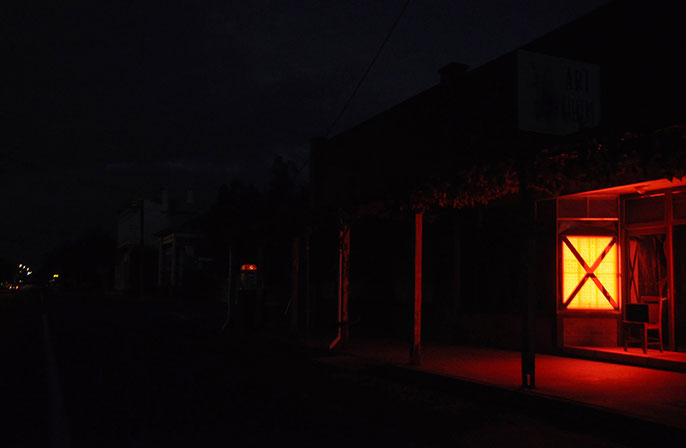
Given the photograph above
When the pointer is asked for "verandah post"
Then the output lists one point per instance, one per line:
(416, 354)
(345, 287)
(527, 276)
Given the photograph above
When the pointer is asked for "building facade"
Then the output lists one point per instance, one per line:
(532, 201)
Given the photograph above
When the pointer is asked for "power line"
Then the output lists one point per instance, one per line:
(369, 68)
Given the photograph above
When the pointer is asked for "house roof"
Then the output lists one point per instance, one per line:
(468, 123)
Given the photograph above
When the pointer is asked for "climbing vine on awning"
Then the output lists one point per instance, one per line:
(579, 163)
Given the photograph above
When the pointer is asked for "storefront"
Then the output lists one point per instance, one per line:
(619, 249)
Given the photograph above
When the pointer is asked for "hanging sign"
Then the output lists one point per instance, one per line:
(556, 95)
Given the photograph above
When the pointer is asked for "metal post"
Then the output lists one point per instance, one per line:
(308, 302)
(160, 263)
(142, 248)
(228, 291)
(296, 283)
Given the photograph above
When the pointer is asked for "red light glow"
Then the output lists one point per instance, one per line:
(249, 267)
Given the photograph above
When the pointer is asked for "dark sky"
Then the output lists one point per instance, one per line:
(103, 101)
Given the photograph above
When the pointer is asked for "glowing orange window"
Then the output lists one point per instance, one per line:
(589, 272)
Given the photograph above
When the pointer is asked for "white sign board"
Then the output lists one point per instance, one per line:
(556, 95)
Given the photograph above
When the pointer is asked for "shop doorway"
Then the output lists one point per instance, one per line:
(648, 271)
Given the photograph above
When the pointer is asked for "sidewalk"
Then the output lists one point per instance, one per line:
(646, 394)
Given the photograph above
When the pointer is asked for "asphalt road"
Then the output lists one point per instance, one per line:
(129, 375)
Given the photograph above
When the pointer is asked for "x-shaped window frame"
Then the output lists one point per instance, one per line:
(590, 272)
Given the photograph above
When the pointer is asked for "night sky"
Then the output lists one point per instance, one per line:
(104, 101)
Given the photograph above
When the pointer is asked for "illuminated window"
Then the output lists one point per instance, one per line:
(589, 273)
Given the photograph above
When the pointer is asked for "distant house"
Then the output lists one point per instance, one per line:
(535, 198)
(139, 224)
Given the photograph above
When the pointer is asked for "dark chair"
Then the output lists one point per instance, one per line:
(643, 317)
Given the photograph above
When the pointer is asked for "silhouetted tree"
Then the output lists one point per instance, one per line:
(235, 223)
(259, 228)
(286, 200)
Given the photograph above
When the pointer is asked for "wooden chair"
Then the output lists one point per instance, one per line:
(644, 316)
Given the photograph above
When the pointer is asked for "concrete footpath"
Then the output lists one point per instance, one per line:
(641, 393)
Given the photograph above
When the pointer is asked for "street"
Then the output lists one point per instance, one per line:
(133, 375)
